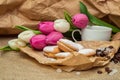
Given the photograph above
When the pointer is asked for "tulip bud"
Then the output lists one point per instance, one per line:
(46, 27)
(26, 35)
(80, 20)
(61, 25)
(16, 43)
(38, 41)
(53, 37)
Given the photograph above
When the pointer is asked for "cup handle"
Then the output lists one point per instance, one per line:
(77, 30)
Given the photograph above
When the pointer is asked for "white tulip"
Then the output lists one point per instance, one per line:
(21, 43)
(61, 25)
(26, 36)
(16, 43)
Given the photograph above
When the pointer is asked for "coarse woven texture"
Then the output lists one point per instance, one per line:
(19, 66)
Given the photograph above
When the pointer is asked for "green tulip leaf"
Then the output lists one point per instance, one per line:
(69, 19)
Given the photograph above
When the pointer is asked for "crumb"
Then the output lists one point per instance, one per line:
(77, 73)
(113, 72)
(59, 70)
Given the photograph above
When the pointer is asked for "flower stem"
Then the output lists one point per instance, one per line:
(23, 28)
(7, 48)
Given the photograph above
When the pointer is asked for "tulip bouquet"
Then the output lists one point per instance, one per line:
(49, 32)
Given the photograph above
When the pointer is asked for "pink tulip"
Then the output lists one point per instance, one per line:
(53, 37)
(80, 20)
(46, 27)
(38, 41)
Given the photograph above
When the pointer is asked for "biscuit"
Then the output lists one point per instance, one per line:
(87, 52)
(51, 49)
(63, 54)
(50, 55)
(64, 47)
(69, 46)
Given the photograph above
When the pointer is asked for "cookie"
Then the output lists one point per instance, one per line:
(87, 52)
(69, 46)
(63, 54)
(51, 49)
(50, 55)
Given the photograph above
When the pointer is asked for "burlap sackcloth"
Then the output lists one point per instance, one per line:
(19, 66)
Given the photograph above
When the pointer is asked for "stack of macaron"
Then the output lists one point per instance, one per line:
(51, 32)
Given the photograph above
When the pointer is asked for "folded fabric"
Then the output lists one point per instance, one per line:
(30, 12)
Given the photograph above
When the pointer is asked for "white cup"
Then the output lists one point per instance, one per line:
(94, 33)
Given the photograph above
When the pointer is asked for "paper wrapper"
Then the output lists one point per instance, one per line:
(30, 12)
(116, 36)
(76, 61)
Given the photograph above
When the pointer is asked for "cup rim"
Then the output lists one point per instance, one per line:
(103, 28)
